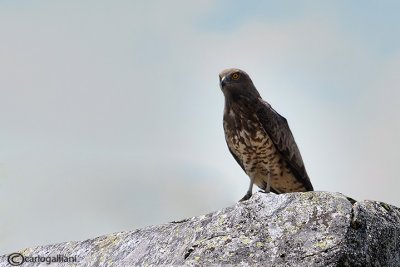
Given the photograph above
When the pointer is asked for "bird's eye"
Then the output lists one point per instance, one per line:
(235, 76)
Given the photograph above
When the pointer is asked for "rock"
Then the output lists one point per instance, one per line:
(297, 229)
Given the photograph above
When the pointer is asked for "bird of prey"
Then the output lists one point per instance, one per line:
(260, 139)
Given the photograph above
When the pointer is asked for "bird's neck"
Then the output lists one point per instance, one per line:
(240, 104)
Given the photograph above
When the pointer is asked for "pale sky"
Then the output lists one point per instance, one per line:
(111, 112)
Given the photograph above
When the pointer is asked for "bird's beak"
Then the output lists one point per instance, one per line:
(221, 81)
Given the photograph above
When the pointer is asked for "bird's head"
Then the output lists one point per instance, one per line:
(236, 82)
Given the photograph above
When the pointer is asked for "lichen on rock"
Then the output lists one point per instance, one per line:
(296, 229)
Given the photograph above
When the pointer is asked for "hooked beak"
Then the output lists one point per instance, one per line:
(221, 81)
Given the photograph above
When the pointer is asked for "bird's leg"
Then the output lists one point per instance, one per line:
(268, 187)
(249, 191)
(267, 184)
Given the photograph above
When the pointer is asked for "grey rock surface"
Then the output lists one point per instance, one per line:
(296, 229)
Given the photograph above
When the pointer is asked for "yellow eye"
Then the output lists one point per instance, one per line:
(235, 76)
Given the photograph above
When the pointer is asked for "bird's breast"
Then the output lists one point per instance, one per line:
(248, 140)
(254, 148)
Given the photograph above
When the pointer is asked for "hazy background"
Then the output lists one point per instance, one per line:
(111, 112)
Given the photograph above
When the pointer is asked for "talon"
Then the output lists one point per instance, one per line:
(246, 197)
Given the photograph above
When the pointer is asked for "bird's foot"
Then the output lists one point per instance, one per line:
(267, 192)
(246, 197)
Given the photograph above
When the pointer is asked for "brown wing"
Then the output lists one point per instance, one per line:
(278, 129)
